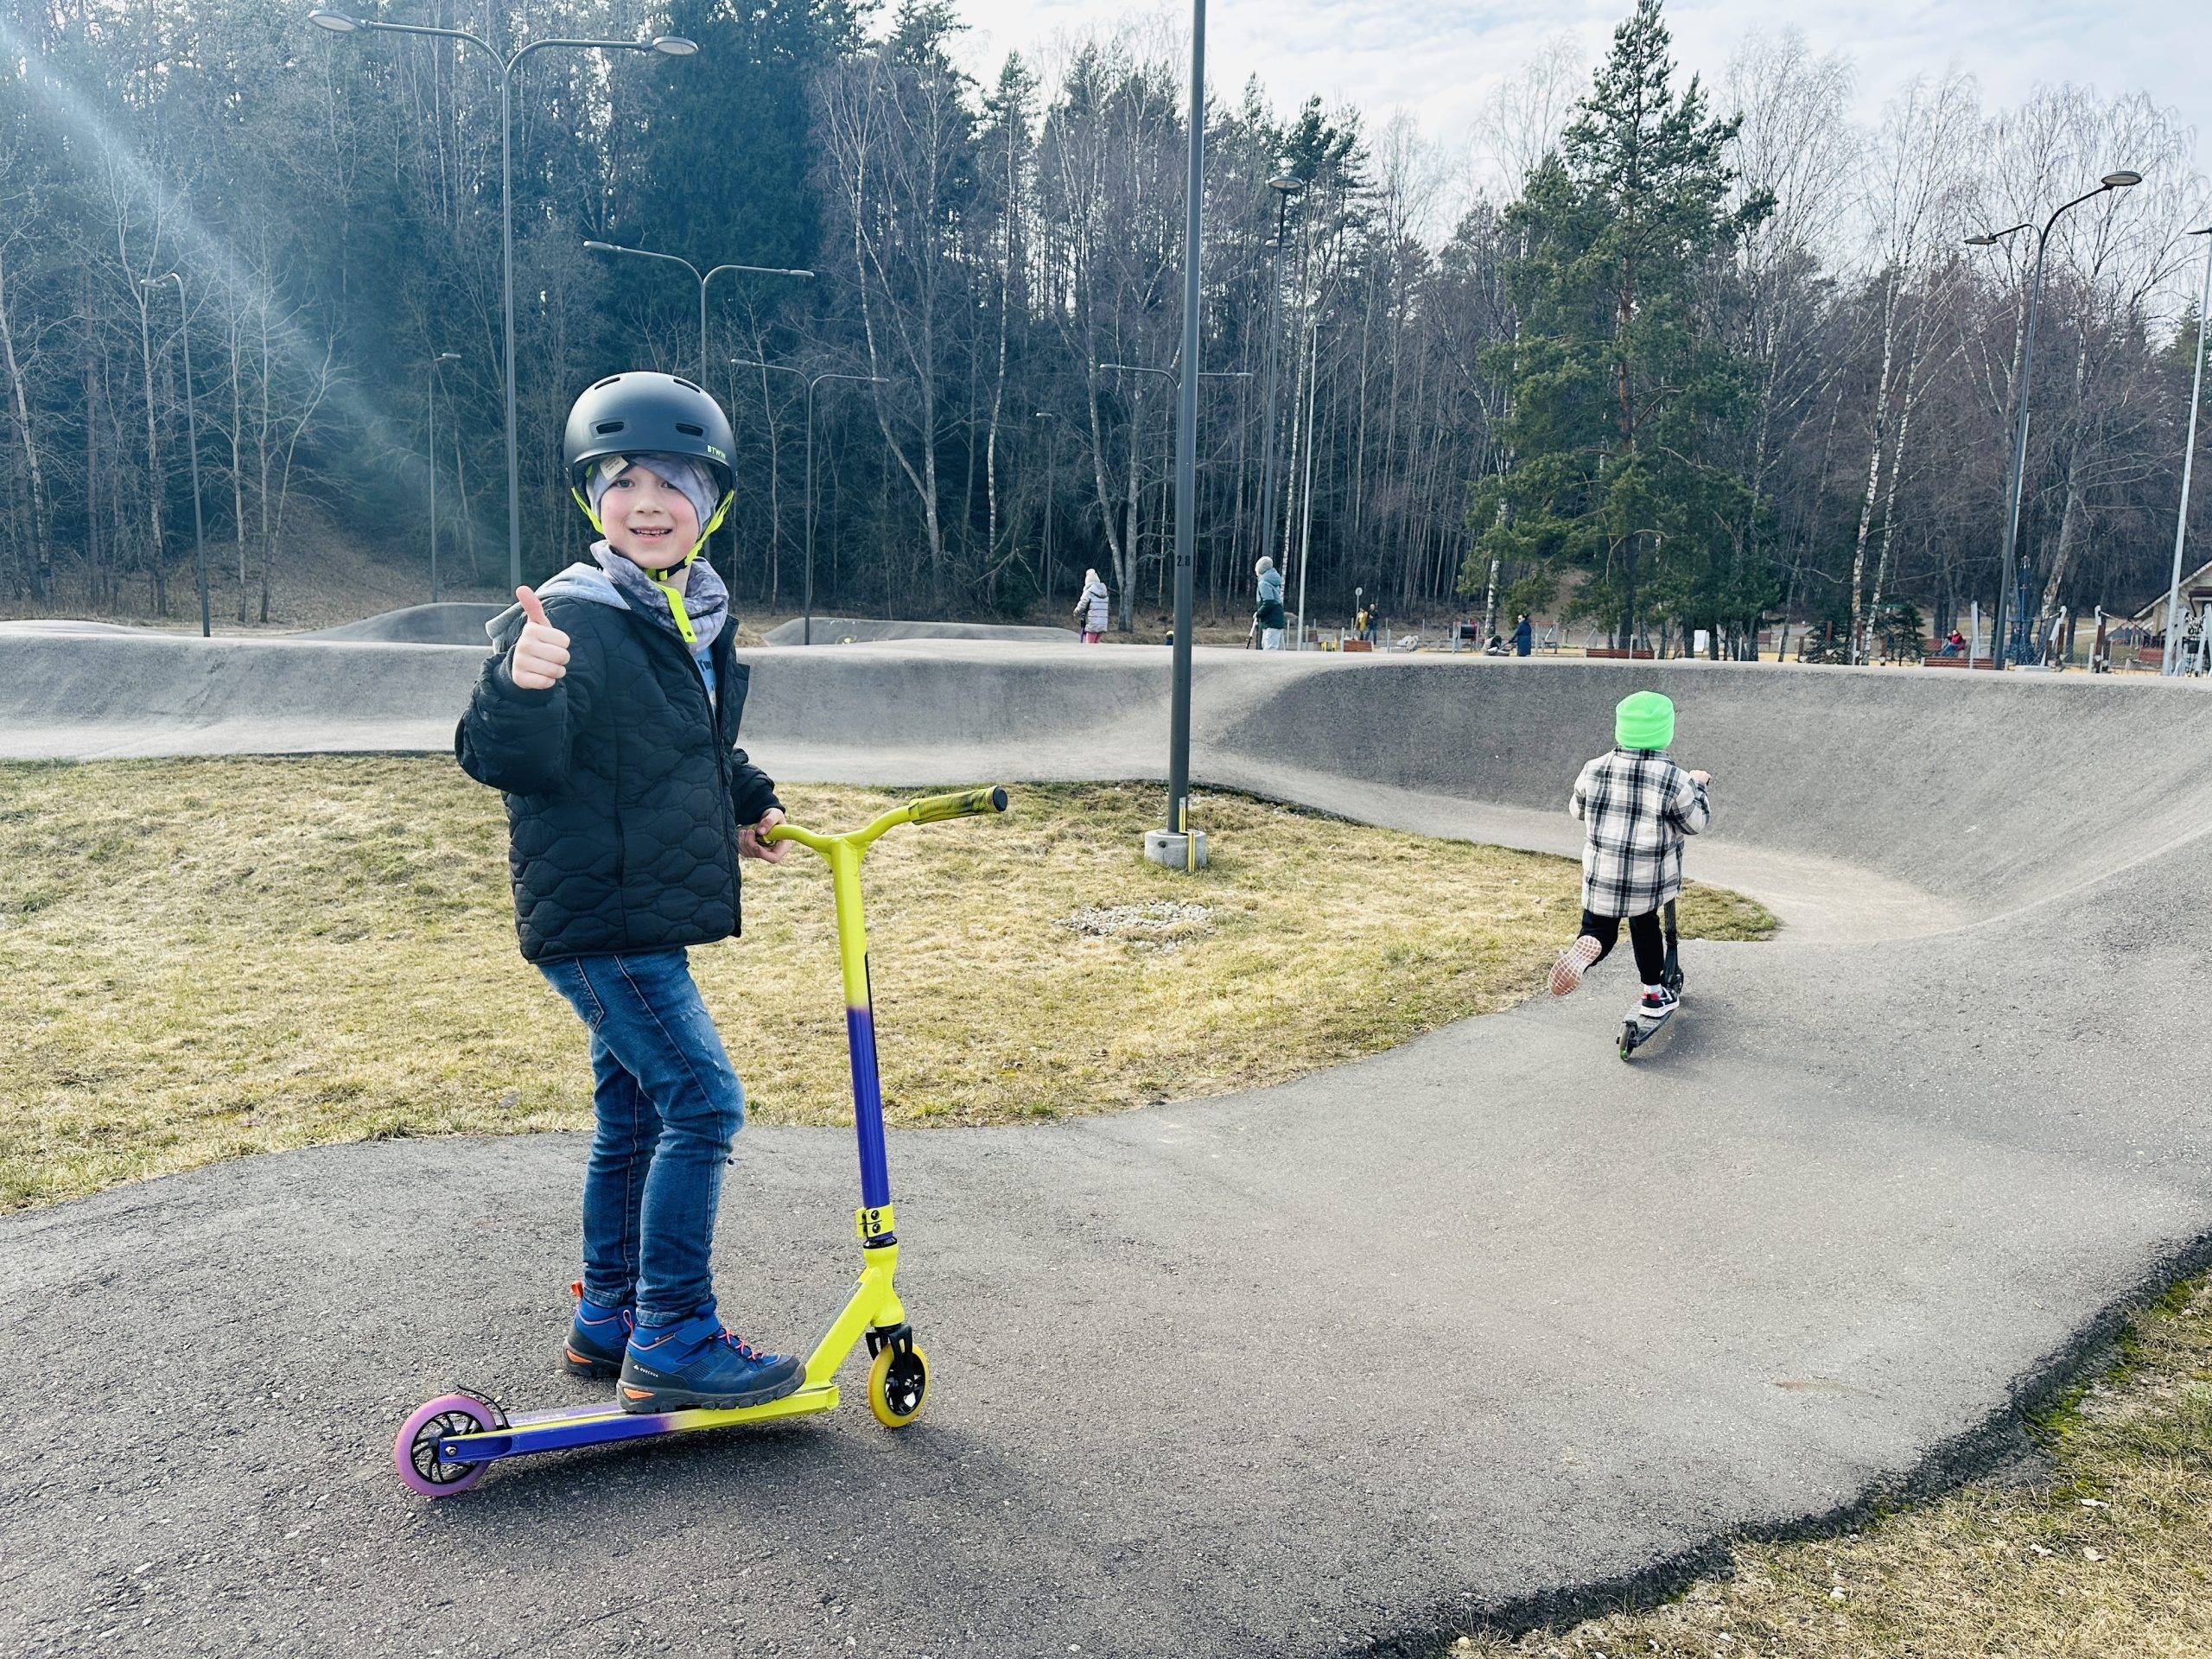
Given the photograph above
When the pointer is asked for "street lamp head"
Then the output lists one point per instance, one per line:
(2121, 180)
(599, 247)
(447, 357)
(1289, 184)
(336, 22)
(1984, 241)
(803, 276)
(674, 46)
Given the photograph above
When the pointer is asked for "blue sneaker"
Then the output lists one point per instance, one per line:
(696, 1364)
(596, 1337)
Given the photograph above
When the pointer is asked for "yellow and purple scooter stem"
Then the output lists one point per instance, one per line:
(449, 1443)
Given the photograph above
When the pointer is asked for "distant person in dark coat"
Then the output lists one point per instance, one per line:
(1524, 636)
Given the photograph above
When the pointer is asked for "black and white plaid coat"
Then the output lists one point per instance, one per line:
(1637, 804)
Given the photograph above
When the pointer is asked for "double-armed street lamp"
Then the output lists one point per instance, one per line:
(2119, 181)
(672, 45)
(702, 277)
(192, 437)
(806, 628)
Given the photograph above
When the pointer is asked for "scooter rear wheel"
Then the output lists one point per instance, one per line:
(415, 1451)
(897, 1384)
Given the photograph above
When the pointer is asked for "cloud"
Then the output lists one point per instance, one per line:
(1437, 62)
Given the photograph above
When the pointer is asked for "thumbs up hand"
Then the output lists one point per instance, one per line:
(541, 655)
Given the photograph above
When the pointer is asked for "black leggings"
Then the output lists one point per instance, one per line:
(1645, 938)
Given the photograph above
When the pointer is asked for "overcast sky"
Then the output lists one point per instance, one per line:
(1436, 59)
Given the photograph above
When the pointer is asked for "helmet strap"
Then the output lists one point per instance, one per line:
(674, 595)
(714, 523)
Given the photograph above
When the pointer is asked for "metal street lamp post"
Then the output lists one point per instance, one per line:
(192, 437)
(1285, 187)
(1305, 531)
(1186, 451)
(673, 45)
(2119, 181)
(806, 630)
(430, 387)
(1052, 480)
(2168, 659)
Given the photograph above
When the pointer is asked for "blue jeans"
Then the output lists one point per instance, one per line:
(667, 1105)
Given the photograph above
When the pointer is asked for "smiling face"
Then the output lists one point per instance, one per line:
(648, 520)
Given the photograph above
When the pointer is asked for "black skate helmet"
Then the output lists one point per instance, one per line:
(641, 413)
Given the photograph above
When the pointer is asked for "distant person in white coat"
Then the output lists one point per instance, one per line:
(1270, 614)
(1091, 610)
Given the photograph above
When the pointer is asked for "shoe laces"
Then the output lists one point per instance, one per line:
(745, 1350)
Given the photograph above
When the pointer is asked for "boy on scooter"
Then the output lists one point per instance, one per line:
(608, 714)
(1636, 806)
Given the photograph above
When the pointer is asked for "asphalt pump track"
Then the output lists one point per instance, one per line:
(1489, 1324)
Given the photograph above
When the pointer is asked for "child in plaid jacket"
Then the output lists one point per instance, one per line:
(1637, 806)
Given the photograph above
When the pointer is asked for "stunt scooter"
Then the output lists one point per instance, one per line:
(449, 1442)
(1636, 1032)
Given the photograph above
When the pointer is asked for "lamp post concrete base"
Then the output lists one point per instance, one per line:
(1176, 851)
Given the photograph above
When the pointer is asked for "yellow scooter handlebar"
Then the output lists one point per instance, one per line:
(931, 808)
(934, 809)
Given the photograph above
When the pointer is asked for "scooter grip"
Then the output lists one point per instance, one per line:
(934, 809)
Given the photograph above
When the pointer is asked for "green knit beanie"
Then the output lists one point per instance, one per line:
(1644, 720)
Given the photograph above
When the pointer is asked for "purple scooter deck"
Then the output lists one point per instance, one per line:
(603, 1421)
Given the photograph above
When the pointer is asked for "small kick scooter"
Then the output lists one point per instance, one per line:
(1636, 1032)
(449, 1443)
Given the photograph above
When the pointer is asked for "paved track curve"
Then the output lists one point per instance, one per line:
(449, 622)
(1479, 1324)
(870, 630)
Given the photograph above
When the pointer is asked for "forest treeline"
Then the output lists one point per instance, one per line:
(1723, 343)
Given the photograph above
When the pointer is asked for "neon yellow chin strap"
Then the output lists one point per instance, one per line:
(659, 578)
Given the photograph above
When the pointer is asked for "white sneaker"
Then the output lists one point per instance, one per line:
(1658, 1002)
(1573, 963)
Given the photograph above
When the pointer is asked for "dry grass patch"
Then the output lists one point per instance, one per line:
(202, 958)
(2111, 1555)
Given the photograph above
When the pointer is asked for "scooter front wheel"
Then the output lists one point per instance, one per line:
(415, 1451)
(897, 1384)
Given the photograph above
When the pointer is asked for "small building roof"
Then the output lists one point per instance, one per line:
(2197, 585)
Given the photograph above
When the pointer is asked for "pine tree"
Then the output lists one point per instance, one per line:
(722, 164)
(1619, 397)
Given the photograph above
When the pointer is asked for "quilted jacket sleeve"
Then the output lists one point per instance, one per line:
(521, 740)
(752, 791)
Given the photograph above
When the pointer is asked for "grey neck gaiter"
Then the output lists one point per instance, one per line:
(706, 599)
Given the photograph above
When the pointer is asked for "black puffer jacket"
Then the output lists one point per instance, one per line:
(624, 794)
